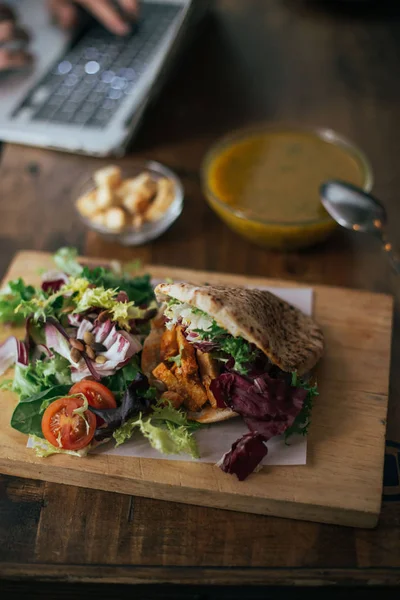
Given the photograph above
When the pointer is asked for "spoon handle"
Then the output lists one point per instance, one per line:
(393, 258)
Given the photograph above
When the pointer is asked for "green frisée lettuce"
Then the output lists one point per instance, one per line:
(138, 288)
(167, 430)
(302, 421)
(11, 296)
(66, 260)
(43, 448)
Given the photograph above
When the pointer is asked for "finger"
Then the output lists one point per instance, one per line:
(6, 14)
(14, 60)
(130, 7)
(64, 12)
(106, 14)
(7, 29)
(10, 33)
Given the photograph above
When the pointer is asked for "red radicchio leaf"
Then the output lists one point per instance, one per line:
(263, 398)
(244, 456)
(52, 286)
(122, 297)
(133, 403)
(91, 366)
(41, 349)
(58, 326)
(12, 351)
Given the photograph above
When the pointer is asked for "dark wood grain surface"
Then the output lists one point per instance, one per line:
(275, 60)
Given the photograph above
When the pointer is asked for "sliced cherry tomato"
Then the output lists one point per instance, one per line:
(64, 428)
(97, 394)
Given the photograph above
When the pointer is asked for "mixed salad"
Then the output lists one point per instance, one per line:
(77, 371)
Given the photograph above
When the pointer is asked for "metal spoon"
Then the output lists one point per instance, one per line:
(355, 209)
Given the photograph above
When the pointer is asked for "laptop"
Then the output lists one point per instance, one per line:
(87, 94)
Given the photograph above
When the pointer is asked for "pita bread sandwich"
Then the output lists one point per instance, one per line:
(221, 352)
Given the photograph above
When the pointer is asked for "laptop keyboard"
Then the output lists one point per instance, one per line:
(91, 81)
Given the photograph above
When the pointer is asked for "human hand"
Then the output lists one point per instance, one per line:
(13, 40)
(105, 11)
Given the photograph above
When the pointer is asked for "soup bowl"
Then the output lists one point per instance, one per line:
(294, 230)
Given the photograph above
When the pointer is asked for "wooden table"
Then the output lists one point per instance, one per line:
(251, 60)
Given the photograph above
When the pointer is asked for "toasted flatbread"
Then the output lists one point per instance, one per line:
(290, 339)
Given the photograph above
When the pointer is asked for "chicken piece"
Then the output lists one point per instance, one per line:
(151, 352)
(108, 177)
(162, 201)
(209, 370)
(115, 219)
(195, 394)
(188, 355)
(87, 204)
(163, 374)
(172, 397)
(169, 344)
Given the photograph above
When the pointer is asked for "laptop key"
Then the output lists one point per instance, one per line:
(88, 85)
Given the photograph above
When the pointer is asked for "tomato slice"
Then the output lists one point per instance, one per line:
(65, 429)
(97, 394)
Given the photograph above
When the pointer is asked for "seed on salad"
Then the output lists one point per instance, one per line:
(75, 355)
(103, 316)
(76, 344)
(98, 347)
(90, 352)
(88, 338)
(67, 309)
(100, 359)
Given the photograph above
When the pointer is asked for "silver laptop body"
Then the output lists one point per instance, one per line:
(87, 95)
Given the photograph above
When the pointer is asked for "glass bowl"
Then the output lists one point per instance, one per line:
(149, 230)
(273, 234)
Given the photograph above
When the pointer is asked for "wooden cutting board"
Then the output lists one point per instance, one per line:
(342, 481)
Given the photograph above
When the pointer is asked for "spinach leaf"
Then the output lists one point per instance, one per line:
(27, 415)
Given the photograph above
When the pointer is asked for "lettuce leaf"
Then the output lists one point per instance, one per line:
(138, 288)
(86, 297)
(41, 305)
(66, 260)
(167, 430)
(44, 374)
(241, 351)
(43, 448)
(302, 422)
(11, 296)
(122, 378)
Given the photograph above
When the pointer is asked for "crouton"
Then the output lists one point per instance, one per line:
(108, 177)
(87, 204)
(164, 198)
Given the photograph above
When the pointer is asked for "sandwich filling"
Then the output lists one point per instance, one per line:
(216, 375)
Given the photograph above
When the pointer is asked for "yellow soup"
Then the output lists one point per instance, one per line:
(265, 184)
(275, 176)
